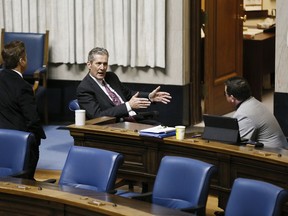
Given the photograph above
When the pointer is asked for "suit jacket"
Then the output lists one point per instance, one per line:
(18, 109)
(257, 123)
(96, 103)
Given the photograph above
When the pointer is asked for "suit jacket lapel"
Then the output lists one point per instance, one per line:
(99, 91)
(115, 85)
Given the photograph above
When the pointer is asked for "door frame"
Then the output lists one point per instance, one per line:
(195, 75)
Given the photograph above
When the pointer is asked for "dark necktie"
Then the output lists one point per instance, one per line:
(115, 99)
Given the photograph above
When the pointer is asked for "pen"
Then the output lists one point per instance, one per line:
(196, 135)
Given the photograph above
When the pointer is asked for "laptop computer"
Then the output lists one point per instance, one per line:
(221, 128)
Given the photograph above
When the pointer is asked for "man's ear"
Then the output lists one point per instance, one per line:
(233, 99)
(88, 65)
(22, 62)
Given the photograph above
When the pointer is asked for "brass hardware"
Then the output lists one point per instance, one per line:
(243, 18)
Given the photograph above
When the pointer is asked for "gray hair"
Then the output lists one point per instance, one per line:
(97, 51)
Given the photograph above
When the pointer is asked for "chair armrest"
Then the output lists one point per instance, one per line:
(147, 197)
(35, 85)
(40, 71)
(21, 174)
(40, 74)
(52, 181)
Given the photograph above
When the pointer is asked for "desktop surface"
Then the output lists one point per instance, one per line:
(26, 197)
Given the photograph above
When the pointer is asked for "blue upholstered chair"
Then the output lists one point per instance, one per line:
(14, 152)
(73, 105)
(253, 197)
(91, 168)
(36, 45)
(181, 183)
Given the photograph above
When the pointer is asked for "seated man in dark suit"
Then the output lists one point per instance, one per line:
(101, 93)
(18, 109)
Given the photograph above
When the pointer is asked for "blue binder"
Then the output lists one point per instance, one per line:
(158, 135)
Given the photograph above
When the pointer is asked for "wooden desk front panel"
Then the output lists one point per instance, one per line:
(261, 170)
(140, 156)
(143, 156)
(11, 205)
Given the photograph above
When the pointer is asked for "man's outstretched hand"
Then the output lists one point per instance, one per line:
(139, 103)
(159, 96)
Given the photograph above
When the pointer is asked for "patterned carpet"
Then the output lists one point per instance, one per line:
(54, 149)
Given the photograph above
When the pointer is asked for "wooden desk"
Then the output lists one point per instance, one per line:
(258, 60)
(143, 156)
(25, 197)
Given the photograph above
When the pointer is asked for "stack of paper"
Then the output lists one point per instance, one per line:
(158, 131)
(250, 33)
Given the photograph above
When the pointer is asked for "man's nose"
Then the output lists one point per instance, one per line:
(101, 66)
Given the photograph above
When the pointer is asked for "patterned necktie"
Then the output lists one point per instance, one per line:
(115, 99)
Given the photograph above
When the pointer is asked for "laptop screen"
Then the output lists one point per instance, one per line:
(221, 128)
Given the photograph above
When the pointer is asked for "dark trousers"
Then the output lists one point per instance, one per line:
(33, 159)
(147, 118)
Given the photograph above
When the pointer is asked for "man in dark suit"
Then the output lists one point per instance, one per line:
(102, 94)
(18, 110)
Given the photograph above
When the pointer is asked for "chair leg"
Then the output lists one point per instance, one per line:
(131, 186)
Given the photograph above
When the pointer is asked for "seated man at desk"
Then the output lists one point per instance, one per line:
(256, 122)
(101, 93)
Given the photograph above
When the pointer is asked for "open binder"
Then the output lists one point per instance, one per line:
(158, 131)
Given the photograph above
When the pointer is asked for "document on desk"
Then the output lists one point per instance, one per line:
(250, 33)
(158, 131)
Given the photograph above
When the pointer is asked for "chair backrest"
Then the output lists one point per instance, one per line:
(14, 151)
(36, 45)
(91, 168)
(253, 197)
(74, 105)
(182, 182)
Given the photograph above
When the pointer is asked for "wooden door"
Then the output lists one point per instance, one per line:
(223, 51)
